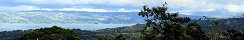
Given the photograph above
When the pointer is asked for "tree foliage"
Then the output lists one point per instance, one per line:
(53, 33)
(235, 35)
(194, 30)
(118, 37)
(215, 31)
(162, 25)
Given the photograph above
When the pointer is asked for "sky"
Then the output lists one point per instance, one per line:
(212, 8)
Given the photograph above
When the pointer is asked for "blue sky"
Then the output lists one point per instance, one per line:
(213, 8)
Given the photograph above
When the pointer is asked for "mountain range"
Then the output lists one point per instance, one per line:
(72, 17)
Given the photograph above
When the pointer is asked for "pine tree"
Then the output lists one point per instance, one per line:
(162, 25)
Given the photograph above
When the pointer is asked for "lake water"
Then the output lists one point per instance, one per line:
(9, 27)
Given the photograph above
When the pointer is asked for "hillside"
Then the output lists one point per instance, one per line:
(132, 32)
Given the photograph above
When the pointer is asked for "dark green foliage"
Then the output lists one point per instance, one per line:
(235, 35)
(104, 39)
(130, 33)
(118, 37)
(216, 32)
(175, 32)
(11, 35)
(162, 25)
(194, 30)
(53, 33)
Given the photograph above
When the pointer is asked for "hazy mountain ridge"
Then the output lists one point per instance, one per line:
(73, 17)
(132, 32)
(70, 18)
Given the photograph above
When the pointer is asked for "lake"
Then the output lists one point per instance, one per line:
(13, 26)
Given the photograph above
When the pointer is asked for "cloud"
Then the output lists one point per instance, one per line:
(234, 8)
(207, 7)
(18, 8)
(84, 2)
(93, 10)
(191, 4)
(183, 6)
(30, 8)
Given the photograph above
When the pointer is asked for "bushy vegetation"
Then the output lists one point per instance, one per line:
(162, 25)
(129, 32)
(53, 33)
(111, 33)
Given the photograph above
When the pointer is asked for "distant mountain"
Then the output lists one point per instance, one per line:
(73, 17)
(219, 13)
(63, 17)
(133, 32)
(191, 16)
(230, 23)
(56, 11)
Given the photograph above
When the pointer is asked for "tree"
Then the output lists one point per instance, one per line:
(194, 30)
(53, 33)
(162, 25)
(235, 35)
(216, 30)
(118, 37)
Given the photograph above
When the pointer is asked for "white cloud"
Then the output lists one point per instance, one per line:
(83, 9)
(29, 8)
(183, 6)
(97, 10)
(125, 10)
(18, 8)
(189, 6)
(192, 4)
(195, 6)
(234, 8)
(137, 3)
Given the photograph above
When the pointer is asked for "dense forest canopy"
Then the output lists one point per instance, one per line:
(53, 33)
